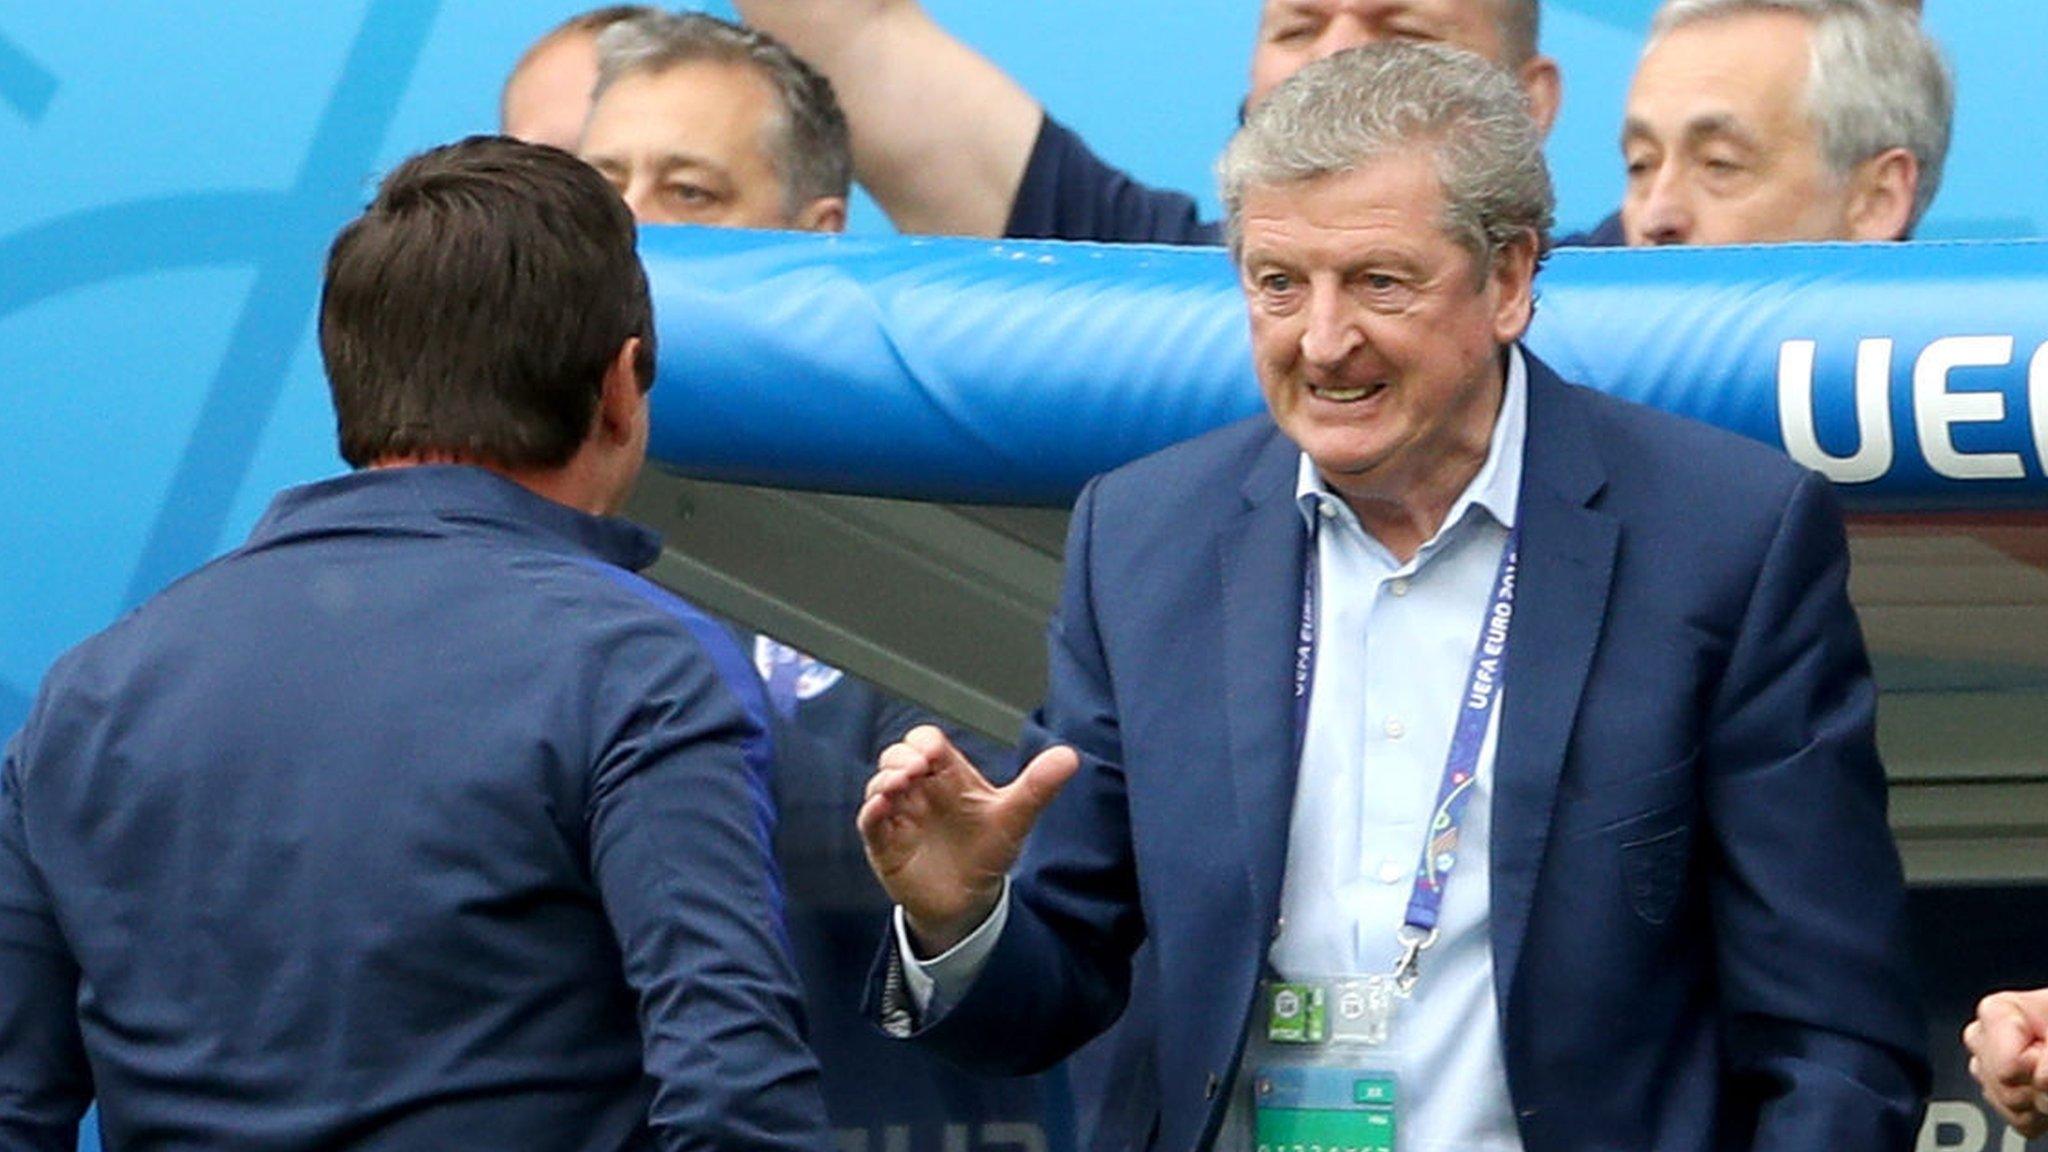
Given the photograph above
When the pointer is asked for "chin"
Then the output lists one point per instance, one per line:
(1340, 455)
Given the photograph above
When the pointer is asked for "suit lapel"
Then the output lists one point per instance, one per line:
(1260, 552)
(1568, 551)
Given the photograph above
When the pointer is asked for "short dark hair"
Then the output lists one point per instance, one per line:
(475, 305)
(810, 144)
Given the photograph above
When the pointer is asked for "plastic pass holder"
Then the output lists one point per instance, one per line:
(1321, 1077)
(1312, 1108)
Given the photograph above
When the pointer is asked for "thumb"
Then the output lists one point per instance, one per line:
(2009, 1037)
(2033, 1009)
(1041, 780)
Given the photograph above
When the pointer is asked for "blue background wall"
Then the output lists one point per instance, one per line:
(174, 173)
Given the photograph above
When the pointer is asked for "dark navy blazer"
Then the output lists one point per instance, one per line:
(1697, 910)
(416, 822)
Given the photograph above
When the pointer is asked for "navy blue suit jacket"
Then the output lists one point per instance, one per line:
(1697, 910)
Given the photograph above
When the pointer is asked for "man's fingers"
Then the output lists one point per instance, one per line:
(2033, 1008)
(2025, 1115)
(890, 829)
(931, 743)
(2000, 1038)
(914, 765)
(2014, 1105)
(900, 792)
(2028, 1009)
(2008, 1045)
(926, 751)
(907, 756)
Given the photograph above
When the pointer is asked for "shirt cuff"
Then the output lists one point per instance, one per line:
(937, 984)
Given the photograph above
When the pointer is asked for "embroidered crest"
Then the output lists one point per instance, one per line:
(790, 675)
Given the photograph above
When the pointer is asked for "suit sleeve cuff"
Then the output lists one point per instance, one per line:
(937, 984)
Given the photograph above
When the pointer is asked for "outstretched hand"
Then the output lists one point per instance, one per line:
(941, 838)
(2008, 1043)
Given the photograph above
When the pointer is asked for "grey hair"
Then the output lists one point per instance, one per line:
(1878, 81)
(1346, 111)
(809, 143)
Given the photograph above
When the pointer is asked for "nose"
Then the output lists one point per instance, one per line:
(642, 203)
(1329, 333)
(1664, 214)
(1343, 32)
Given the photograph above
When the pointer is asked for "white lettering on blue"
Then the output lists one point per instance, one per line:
(1937, 409)
(1873, 455)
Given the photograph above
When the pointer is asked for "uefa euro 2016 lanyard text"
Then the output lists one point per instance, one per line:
(1345, 1105)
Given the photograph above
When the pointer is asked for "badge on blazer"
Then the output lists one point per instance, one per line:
(791, 676)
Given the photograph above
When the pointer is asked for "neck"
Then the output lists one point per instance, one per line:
(567, 485)
(1404, 522)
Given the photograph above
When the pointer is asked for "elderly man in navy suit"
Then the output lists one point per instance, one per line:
(1490, 762)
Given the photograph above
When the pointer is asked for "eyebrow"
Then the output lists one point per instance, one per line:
(1710, 126)
(1294, 8)
(663, 162)
(669, 161)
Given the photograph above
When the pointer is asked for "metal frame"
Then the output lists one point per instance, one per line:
(947, 605)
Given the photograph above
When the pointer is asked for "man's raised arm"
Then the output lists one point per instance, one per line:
(941, 135)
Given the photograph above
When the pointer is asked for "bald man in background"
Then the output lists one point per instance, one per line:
(948, 143)
(547, 95)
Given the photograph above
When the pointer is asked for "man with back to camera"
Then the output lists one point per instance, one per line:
(1489, 763)
(700, 121)
(419, 821)
(546, 96)
(1754, 121)
(948, 143)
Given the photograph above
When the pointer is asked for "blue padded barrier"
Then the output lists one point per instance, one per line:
(1914, 375)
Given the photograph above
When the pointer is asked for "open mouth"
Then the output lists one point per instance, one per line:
(1348, 395)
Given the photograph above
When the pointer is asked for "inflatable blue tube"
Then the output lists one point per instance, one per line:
(1914, 375)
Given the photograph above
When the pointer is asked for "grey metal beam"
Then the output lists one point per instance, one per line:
(945, 605)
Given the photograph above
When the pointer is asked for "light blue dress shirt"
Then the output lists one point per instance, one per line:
(1394, 645)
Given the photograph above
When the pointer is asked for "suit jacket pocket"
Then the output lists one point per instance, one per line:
(1653, 871)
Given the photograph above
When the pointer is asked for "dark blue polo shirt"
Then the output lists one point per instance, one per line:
(418, 822)
(1069, 193)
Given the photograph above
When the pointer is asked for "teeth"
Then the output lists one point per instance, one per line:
(1344, 395)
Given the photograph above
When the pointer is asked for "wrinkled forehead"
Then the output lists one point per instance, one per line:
(1396, 191)
(1752, 68)
(694, 96)
(1488, 16)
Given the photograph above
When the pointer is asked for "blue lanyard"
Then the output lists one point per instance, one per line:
(1461, 765)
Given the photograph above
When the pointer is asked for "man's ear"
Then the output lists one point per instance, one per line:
(621, 402)
(1544, 87)
(825, 214)
(1513, 279)
(1881, 195)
